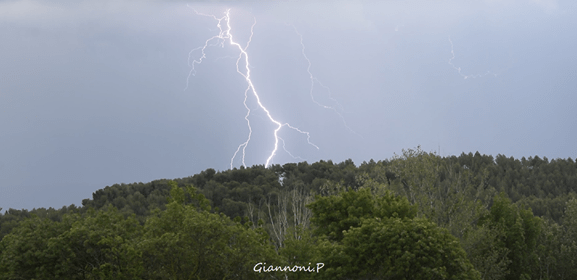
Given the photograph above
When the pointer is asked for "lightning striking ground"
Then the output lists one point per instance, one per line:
(221, 38)
(459, 68)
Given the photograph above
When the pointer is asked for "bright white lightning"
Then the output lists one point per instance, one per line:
(459, 68)
(314, 79)
(222, 36)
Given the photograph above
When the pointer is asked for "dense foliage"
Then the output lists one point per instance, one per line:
(414, 216)
(365, 236)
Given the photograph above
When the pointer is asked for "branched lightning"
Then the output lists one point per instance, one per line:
(459, 68)
(220, 39)
(313, 79)
(289, 153)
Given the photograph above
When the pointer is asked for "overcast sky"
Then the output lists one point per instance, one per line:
(94, 93)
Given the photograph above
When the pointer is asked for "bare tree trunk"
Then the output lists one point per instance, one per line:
(279, 222)
(301, 214)
(250, 212)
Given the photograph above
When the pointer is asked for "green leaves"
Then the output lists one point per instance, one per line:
(334, 214)
(557, 246)
(444, 192)
(357, 225)
(519, 231)
(397, 249)
(368, 237)
(25, 250)
(186, 242)
(487, 252)
(102, 243)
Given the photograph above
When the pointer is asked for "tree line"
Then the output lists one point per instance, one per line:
(414, 216)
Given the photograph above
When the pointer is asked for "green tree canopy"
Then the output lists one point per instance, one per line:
(334, 214)
(397, 248)
(521, 231)
(186, 241)
(378, 237)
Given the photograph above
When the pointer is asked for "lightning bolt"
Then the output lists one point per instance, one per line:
(289, 153)
(221, 38)
(314, 80)
(219, 41)
(459, 68)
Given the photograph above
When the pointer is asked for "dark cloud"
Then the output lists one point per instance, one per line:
(92, 92)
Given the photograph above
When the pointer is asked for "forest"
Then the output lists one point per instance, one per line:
(416, 215)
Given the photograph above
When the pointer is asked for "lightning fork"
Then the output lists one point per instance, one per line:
(289, 153)
(313, 79)
(223, 36)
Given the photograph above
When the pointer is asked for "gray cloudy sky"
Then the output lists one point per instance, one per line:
(92, 93)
